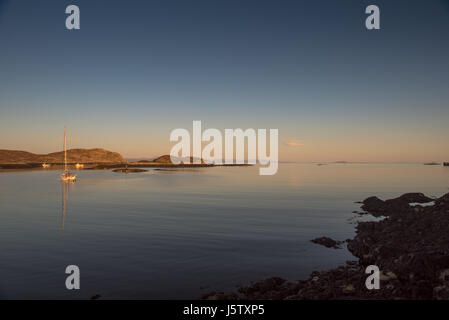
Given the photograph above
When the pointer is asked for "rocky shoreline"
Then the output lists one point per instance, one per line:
(410, 245)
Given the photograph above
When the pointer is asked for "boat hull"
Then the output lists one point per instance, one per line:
(68, 177)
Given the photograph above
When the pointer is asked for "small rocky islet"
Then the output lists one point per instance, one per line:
(410, 245)
(129, 170)
(328, 242)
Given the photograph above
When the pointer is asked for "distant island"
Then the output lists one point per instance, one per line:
(23, 159)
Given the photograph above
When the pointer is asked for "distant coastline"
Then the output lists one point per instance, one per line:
(90, 159)
(101, 159)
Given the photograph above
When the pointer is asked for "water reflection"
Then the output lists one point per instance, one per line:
(65, 196)
(162, 228)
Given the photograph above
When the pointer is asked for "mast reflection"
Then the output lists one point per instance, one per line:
(65, 196)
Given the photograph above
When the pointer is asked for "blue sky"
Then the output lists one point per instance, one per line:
(138, 69)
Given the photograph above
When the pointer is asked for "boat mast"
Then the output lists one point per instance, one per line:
(65, 151)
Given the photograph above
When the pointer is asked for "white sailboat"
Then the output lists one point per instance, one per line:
(66, 176)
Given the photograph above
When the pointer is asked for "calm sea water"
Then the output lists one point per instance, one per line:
(181, 233)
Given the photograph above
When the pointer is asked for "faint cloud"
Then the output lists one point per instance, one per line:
(293, 143)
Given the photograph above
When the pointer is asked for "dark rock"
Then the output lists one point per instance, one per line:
(220, 296)
(400, 205)
(373, 205)
(269, 289)
(413, 197)
(442, 201)
(327, 242)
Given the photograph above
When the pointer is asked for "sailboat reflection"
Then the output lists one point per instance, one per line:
(65, 197)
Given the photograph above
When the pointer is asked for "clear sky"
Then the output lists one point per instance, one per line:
(138, 69)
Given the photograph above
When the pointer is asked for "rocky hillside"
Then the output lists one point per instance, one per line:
(163, 159)
(166, 159)
(73, 156)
